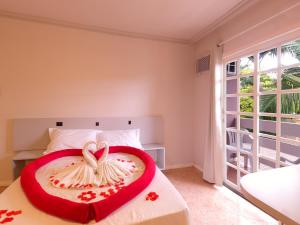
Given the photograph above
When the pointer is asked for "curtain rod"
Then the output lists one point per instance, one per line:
(257, 25)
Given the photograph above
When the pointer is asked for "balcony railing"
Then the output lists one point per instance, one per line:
(290, 140)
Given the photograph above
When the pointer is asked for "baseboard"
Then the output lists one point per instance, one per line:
(178, 166)
(198, 168)
(5, 183)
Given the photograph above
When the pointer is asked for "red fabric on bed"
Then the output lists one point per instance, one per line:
(107, 206)
(60, 207)
(83, 212)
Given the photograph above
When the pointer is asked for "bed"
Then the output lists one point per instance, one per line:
(159, 203)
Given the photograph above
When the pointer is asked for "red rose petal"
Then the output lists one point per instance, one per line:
(152, 196)
(2, 212)
(7, 220)
(13, 213)
(56, 182)
(87, 196)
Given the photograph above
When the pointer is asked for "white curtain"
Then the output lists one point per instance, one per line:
(213, 169)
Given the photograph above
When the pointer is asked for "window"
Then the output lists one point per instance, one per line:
(231, 68)
(262, 111)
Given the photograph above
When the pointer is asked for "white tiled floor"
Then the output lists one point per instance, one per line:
(210, 205)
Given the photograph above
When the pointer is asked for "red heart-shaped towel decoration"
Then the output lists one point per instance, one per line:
(84, 212)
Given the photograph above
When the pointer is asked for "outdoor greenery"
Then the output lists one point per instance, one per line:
(246, 84)
(290, 79)
(246, 104)
(267, 83)
(247, 65)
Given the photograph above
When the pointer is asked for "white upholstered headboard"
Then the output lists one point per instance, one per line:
(32, 133)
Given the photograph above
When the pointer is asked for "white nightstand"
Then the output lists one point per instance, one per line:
(21, 158)
(157, 152)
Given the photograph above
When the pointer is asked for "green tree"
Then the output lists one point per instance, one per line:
(290, 79)
(246, 104)
(290, 103)
(267, 83)
(246, 84)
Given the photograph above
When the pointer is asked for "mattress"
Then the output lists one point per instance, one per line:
(168, 208)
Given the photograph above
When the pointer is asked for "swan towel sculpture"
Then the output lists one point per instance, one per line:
(91, 172)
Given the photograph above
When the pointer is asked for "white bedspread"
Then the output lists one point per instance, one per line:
(168, 209)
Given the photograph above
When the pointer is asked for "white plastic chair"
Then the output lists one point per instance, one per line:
(231, 154)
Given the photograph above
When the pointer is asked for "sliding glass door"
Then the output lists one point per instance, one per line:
(262, 111)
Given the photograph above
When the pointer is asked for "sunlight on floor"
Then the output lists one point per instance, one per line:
(211, 205)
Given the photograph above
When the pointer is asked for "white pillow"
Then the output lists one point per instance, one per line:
(69, 138)
(121, 138)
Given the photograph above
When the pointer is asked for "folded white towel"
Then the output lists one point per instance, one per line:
(90, 172)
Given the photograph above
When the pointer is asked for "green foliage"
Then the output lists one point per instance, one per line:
(267, 118)
(293, 48)
(267, 83)
(247, 65)
(291, 78)
(246, 104)
(246, 71)
(246, 84)
(271, 52)
(290, 103)
(267, 103)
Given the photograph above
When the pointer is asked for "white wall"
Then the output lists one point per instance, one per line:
(257, 13)
(52, 71)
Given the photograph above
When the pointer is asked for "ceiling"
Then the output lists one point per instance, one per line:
(181, 20)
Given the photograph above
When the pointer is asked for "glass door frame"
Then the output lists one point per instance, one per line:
(255, 114)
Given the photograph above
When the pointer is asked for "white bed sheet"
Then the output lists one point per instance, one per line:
(168, 209)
